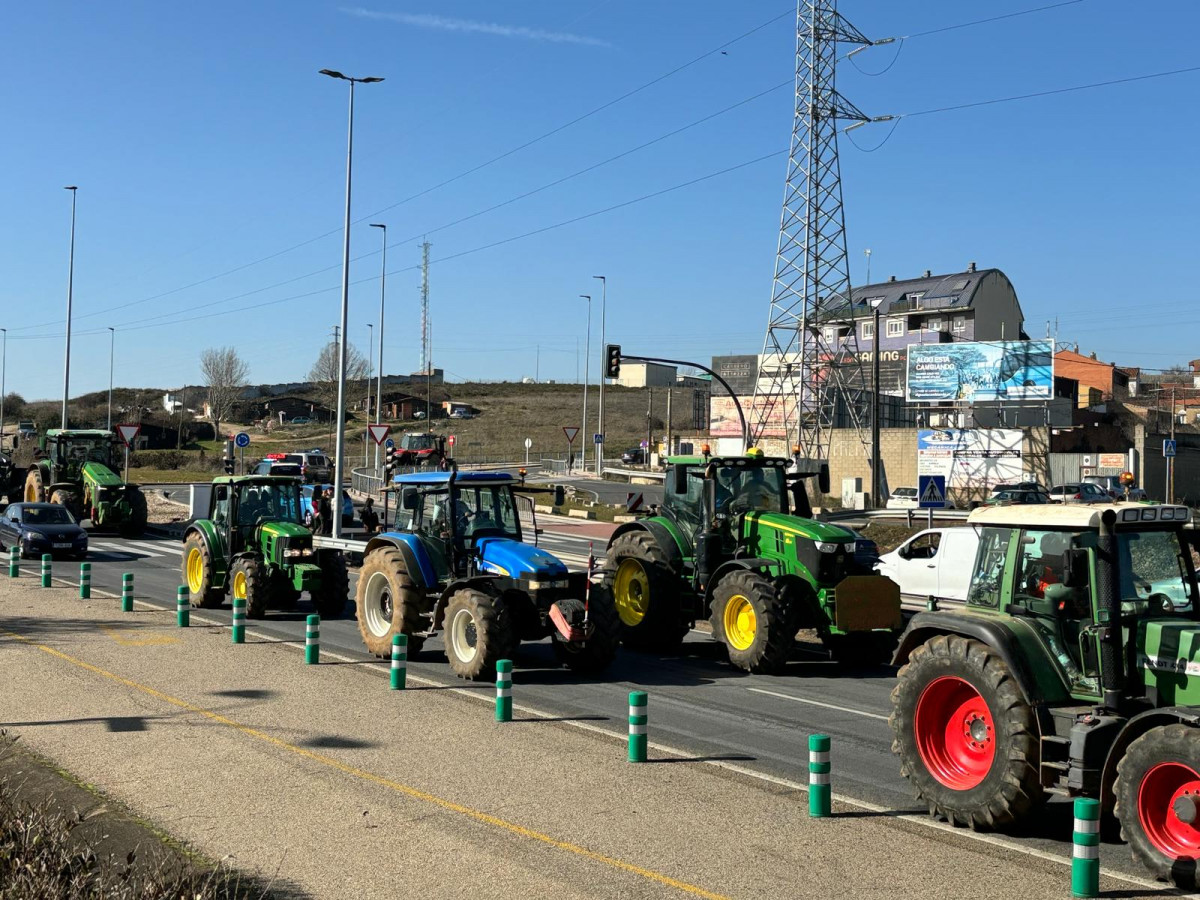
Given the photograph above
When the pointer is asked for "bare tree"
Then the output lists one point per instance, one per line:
(225, 374)
(324, 372)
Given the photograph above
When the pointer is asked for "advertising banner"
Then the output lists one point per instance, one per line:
(723, 419)
(974, 372)
(970, 458)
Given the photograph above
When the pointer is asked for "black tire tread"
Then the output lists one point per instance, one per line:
(768, 654)
(406, 603)
(135, 525)
(663, 628)
(258, 587)
(209, 597)
(335, 586)
(35, 488)
(598, 652)
(493, 633)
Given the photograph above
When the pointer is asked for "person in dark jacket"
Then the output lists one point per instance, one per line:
(326, 512)
(370, 518)
(313, 517)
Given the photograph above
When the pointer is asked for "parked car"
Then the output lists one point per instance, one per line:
(306, 504)
(275, 467)
(1018, 486)
(1016, 496)
(1111, 484)
(300, 420)
(314, 465)
(634, 455)
(908, 498)
(1079, 492)
(462, 414)
(37, 528)
(936, 562)
(26, 429)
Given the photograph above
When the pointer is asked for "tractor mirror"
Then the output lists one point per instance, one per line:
(409, 498)
(679, 479)
(560, 495)
(823, 478)
(1075, 568)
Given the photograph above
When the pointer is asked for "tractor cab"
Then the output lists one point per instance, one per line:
(69, 451)
(240, 506)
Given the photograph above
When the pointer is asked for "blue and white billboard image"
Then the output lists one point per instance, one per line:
(976, 372)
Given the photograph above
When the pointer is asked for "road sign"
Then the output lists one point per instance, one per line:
(450, 440)
(1168, 448)
(571, 431)
(242, 439)
(644, 444)
(931, 489)
(128, 432)
(389, 444)
(633, 502)
(528, 443)
(597, 438)
(379, 432)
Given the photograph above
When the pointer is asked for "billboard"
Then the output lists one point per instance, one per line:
(971, 458)
(723, 418)
(975, 372)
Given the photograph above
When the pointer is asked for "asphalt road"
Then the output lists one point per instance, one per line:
(700, 704)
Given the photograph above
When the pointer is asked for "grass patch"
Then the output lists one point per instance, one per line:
(145, 475)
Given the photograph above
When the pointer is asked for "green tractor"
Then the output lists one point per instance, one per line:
(254, 547)
(1072, 669)
(77, 469)
(727, 545)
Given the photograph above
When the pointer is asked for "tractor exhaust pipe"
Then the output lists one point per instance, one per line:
(1109, 593)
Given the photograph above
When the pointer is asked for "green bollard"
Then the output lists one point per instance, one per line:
(818, 776)
(638, 718)
(183, 616)
(127, 592)
(504, 690)
(46, 558)
(399, 661)
(1085, 857)
(312, 641)
(239, 620)
(14, 562)
(85, 581)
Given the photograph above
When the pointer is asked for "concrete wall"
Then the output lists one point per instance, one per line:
(1153, 467)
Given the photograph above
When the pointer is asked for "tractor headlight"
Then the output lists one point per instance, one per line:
(292, 554)
(827, 546)
(548, 585)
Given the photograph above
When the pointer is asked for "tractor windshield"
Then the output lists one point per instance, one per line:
(81, 450)
(1154, 570)
(416, 442)
(474, 511)
(749, 488)
(270, 502)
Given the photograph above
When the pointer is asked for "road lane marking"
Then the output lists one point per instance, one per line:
(847, 709)
(406, 790)
(126, 549)
(149, 639)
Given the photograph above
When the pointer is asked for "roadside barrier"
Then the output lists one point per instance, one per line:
(85, 580)
(504, 690)
(399, 661)
(46, 557)
(127, 592)
(638, 718)
(1085, 856)
(818, 776)
(14, 562)
(312, 641)
(183, 617)
(238, 631)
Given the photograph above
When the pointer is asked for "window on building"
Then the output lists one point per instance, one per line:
(959, 324)
(935, 324)
(914, 298)
(895, 327)
(868, 330)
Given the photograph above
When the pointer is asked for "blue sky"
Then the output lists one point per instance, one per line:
(202, 140)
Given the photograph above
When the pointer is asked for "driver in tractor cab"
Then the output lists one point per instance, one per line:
(250, 508)
(755, 493)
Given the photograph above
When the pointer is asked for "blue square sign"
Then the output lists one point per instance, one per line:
(931, 491)
(1168, 448)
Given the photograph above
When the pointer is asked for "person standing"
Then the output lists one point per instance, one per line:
(326, 508)
(370, 518)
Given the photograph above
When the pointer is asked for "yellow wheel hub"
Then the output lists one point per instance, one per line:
(239, 586)
(740, 622)
(631, 592)
(195, 570)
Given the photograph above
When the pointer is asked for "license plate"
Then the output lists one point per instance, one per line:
(66, 546)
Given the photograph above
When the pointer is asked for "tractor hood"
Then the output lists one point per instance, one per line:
(1169, 657)
(280, 529)
(100, 474)
(809, 528)
(508, 557)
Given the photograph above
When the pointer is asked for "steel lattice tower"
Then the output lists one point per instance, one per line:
(803, 378)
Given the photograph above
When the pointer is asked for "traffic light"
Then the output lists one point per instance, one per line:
(612, 360)
(391, 461)
(228, 465)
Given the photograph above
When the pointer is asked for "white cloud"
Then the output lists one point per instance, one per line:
(442, 23)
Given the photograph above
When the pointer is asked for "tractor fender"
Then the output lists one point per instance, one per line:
(485, 583)
(1134, 729)
(662, 535)
(416, 559)
(769, 567)
(216, 549)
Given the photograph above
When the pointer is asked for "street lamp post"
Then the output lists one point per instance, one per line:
(876, 466)
(382, 297)
(370, 375)
(112, 346)
(339, 462)
(70, 296)
(3, 369)
(600, 424)
(587, 355)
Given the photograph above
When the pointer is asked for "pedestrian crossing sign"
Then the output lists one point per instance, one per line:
(931, 491)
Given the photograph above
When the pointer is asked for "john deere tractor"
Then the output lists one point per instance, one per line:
(77, 469)
(1072, 669)
(455, 561)
(253, 547)
(727, 545)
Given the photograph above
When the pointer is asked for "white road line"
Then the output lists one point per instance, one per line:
(857, 712)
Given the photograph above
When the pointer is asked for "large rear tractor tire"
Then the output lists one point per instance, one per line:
(862, 649)
(750, 618)
(35, 489)
(388, 603)
(646, 593)
(478, 632)
(135, 525)
(1158, 802)
(595, 654)
(248, 581)
(67, 499)
(966, 738)
(335, 586)
(198, 573)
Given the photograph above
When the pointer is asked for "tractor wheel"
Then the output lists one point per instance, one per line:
(335, 586)
(595, 654)
(198, 573)
(646, 593)
(751, 620)
(478, 631)
(966, 738)
(135, 525)
(68, 499)
(35, 489)
(388, 603)
(1158, 802)
(248, 581)
(862, 648)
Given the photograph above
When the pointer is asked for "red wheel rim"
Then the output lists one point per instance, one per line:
(1160, 788)
(954, 733)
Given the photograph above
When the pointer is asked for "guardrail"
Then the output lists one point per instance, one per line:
(907, 515)
(366, 481)
(634, 473)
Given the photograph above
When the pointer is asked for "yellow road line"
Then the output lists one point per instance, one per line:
(415, 793)
(151, 639)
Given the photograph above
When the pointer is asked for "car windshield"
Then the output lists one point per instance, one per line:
(46, 515)
(268, 501)
(746, 488)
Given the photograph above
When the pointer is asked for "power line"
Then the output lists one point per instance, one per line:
(1011, 15)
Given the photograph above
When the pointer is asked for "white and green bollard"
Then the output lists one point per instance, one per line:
(183, 606)
(312, 641)
(818, 776)
(238, 632)
(127, 592)
(85, 580)
(638, 719)
(46, 560)
(399, 661)
(14, 562)
(1085, 856)
(504, 690)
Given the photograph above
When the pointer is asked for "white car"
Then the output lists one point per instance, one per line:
(936, 562)
(1079, 492)
(907, 498)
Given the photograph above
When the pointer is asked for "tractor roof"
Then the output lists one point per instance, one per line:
(256, 479)
(79, 432)
(1078, 515)
(461, 477)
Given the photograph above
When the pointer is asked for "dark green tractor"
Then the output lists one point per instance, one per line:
(735, 543)
(254, 547)
(77, 469)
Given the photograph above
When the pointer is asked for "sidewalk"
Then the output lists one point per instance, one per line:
(323, 776)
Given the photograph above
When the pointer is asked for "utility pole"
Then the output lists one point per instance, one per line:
(876, 463)
(112, 346)
(3, 372)
(1171, 459)
(370, 372)
(537, 365)
(670, 445)
(587, 353)
(426, 332)
(603, 338)
(382, 297)
(70, 297)
(649, 425)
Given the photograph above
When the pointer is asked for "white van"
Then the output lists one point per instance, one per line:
(936, 562)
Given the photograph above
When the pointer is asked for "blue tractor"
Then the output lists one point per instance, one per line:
(455, 561)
